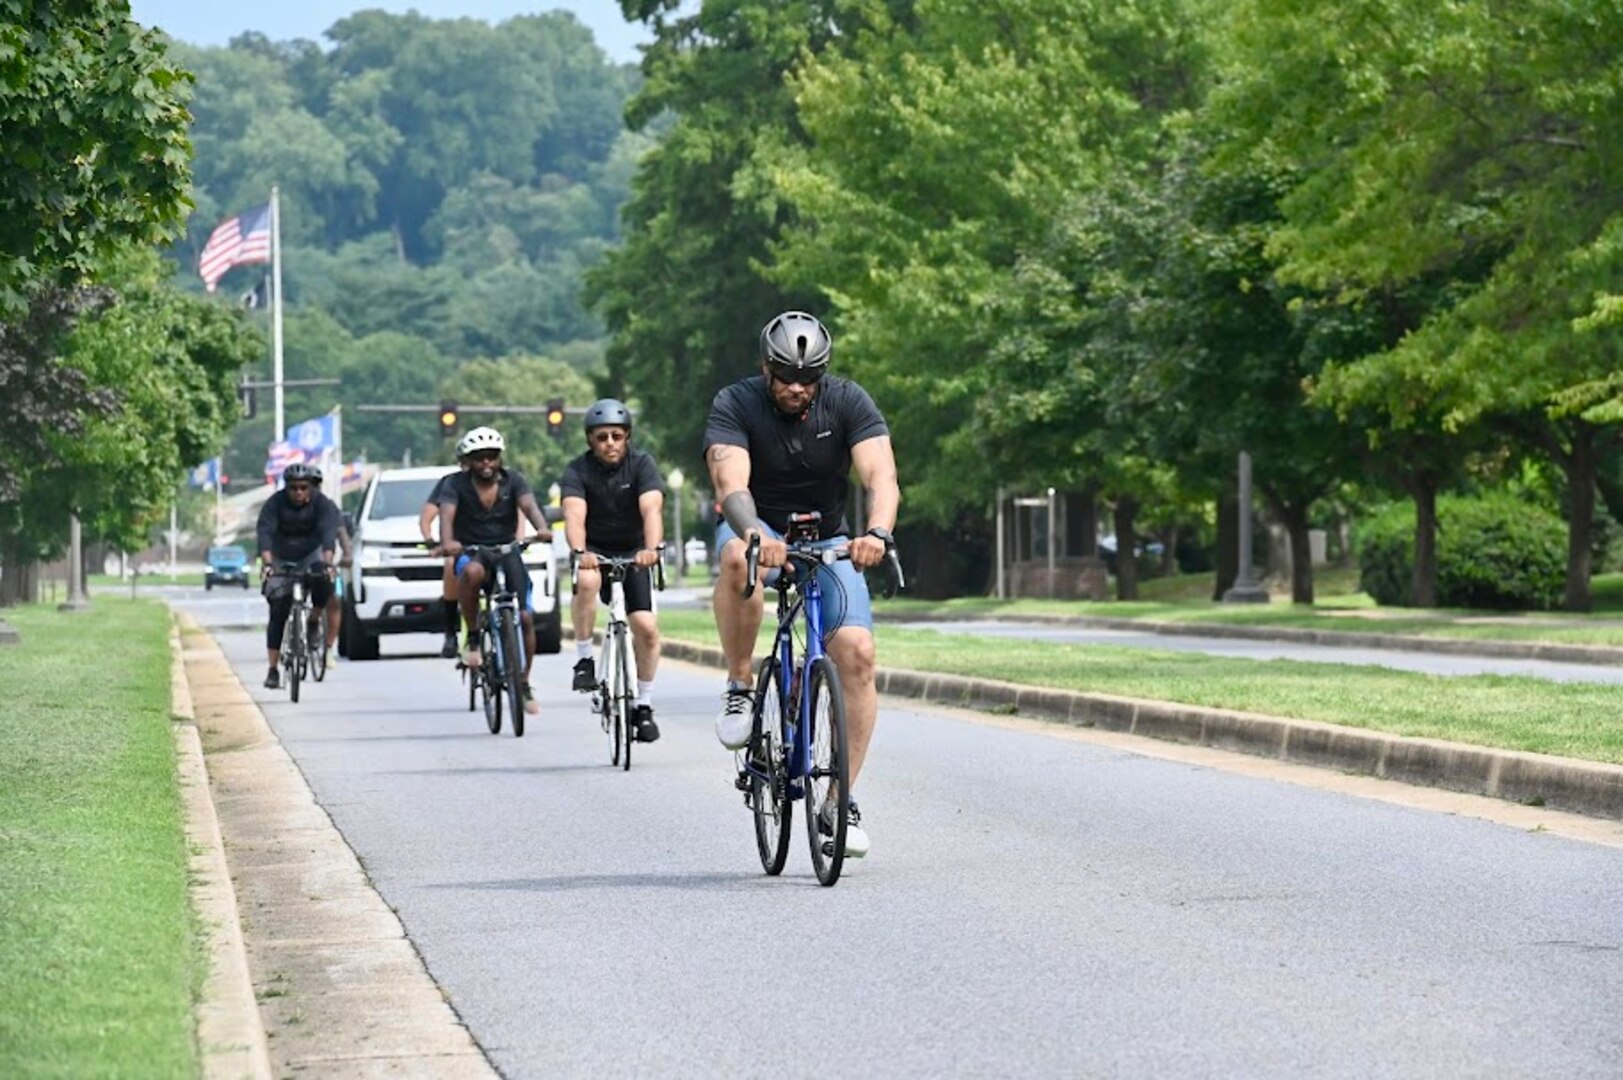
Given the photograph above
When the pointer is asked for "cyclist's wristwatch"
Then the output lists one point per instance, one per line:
(883, 535)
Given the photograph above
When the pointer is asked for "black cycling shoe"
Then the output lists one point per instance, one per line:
(585, 675)
(643, 718)
(448, 650)
(273, 679)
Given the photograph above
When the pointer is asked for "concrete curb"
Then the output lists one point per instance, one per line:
(230, 1035)
(340, 988)
(1584, 787)
(1606, 655)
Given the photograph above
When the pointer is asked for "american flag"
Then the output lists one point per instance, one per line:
(237, 241)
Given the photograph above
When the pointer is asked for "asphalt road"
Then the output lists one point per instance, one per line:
(1034, 904)
(1427, 663)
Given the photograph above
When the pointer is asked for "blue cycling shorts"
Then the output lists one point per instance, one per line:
(845, 592)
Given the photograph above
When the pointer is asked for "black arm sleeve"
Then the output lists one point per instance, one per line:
(266, 530)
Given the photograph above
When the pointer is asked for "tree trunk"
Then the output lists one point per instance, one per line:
(1580, 467)
(1301, 557)
(1228, 544)
(1169, 551)
(1082, 522)
(1423, 585)
(1125, 510)
(19, 577)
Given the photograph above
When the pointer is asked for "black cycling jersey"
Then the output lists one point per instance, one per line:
(476, 524)
(438, 495)
(798, 462)
(613, 518)
(292, 533)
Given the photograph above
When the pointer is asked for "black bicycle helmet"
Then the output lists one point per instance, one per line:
(300, 471)
(608, 412)
(797, 340)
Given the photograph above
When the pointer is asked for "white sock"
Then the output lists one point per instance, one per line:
(583, 649)
(644, 693)
(734, 684)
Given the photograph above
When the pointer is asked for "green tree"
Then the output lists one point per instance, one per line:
(521, 380)
(1429, 136)
(92, 116)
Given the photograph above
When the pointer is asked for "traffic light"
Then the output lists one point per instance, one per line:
(448, 419)
(555, 418)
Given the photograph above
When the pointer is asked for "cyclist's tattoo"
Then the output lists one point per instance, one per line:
(739, 510)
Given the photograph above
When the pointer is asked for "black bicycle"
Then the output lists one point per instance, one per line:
(798, 745)
(613, 696)
(304, 640)
(499, 679)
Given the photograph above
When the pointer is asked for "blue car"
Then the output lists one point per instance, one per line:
(227, 566)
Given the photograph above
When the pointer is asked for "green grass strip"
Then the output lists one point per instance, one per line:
(98, 943)
(1344, 614)
(1580, 720)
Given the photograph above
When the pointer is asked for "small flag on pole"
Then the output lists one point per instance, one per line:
(238, 241)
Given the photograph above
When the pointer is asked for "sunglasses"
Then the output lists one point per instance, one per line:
(795, 376)
(484, 455)
(609, 436)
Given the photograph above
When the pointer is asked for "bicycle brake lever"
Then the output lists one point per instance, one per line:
(752, 565)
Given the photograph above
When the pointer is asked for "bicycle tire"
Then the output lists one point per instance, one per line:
(623, 694)
(769, 799)
(512, 669)
(316, 649)
(830, 768)
(488, 690)
(293, 654)
(473, 688)
(604, 699)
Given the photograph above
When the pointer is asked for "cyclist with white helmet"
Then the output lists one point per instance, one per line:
(479, 506)
(614, 505)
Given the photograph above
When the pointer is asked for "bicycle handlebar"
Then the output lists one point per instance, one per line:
(805, 552)
(620, 563)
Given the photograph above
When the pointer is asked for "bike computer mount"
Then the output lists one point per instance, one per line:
(807, 526)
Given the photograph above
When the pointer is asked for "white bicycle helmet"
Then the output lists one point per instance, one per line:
(480, 438)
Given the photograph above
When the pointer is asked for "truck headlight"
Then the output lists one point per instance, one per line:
(371, 558)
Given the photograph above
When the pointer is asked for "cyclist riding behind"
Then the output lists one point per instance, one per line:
(296, 525)
(614, 505)
(335, 607)
(480, 507)
(448, 589)
(783, 442)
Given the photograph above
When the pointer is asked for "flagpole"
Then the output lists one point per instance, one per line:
(338, 452)
(276, 308)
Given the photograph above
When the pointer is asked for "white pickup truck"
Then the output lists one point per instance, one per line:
(393, 583)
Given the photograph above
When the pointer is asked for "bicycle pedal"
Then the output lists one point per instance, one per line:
(742, 783)
(828, 849)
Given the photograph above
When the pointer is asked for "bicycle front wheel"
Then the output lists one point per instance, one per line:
(827, 804)
(769, 782)
(293, 653)
(512, 653)
(622, 695)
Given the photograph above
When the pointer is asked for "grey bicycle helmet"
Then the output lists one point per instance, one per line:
(300, 471)
(608, 412)
(797, 340)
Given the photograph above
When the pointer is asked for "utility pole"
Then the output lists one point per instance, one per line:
(1245, 589)
(76, 601)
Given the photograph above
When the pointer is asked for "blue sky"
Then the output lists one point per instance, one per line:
(204, 22)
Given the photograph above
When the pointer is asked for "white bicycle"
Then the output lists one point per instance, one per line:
(615, 691)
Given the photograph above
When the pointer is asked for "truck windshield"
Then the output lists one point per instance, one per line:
(401, 498)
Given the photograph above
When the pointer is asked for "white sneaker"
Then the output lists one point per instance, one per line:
(733, 722)
(856, 837)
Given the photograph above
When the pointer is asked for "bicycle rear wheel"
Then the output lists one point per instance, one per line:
(484, 676)
(512, 667)
(829, 768)
(316, 649)
(293, 653)
(769, 798)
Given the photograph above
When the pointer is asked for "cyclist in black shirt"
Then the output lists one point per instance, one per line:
(782, 442)
(448, 589)
(299, 525)
(480, 506)
(614, 505)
